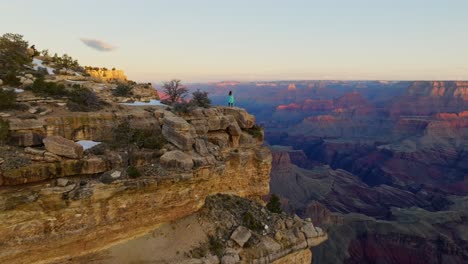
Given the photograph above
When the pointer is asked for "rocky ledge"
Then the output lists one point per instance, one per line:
(58, 199)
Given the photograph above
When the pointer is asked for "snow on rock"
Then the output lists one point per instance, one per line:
(151, 102)
(39, 63)
(87, 144)
(16, 90)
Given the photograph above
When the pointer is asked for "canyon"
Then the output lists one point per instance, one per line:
(381, 165)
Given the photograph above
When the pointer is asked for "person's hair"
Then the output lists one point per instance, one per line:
(230, 92)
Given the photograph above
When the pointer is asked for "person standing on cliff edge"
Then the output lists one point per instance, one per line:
(230, 99)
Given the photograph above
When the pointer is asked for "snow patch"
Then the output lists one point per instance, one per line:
(87, 144)
(39, 63)
(151, 102)
(16, 90)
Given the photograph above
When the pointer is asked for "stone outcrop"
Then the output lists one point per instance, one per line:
(256, 235)
(81, 201)
(63, 147)
(107, 75)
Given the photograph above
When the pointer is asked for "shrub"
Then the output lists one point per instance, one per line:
(44, 88)
(124, 135)
(11, 79)
(133, 172)
(147, 139)
(216, 246)
(274, 205)
(256, 131)
(251, 222)
(41, 72)
(200, 99)
(181, 107)
(4, 131)
(7, 99)
(122, 90)
(175, 91)
(83, 100)
(13, 53)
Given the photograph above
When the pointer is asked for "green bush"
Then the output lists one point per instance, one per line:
(4, 131)
(41, 72)
(133, 172)
(180, 107)
(216, 246)
(13, 54)
(251, 222)
(11, 79)
(41, 87)
(147, 139)
(122, 90)
(274, 205)
(200, 99)
(7, 99)
(124, 136)
(256, 131)
(83, 100)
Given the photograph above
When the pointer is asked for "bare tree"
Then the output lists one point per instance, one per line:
(175, 91)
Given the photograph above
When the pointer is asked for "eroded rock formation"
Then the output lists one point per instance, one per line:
(75, 203)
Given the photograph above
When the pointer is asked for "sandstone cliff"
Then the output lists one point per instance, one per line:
(107, 75)
(57, 202)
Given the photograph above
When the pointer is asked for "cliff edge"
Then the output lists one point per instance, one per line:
(58, 199)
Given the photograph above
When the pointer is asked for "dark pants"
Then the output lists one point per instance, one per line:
(230, 104)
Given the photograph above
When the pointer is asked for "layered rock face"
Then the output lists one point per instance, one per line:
(366, 224)
(107, 75)
(209, 151)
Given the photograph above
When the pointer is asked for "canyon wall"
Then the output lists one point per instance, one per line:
(64, 207)
(107, 75)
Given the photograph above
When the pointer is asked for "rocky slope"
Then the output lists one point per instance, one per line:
(78, 182)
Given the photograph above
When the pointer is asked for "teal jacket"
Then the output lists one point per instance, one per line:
(231, 99)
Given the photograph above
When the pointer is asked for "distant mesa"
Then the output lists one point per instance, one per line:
(263, 84)
(227, 83)
(292, 87)
(104, 74)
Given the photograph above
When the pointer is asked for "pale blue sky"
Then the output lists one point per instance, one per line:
(209, 40)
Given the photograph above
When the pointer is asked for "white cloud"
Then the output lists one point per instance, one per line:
(98, 44)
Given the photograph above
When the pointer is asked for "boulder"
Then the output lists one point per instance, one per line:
(234, 129)
(230, 259)
(63, 147)
(1, 82)
(200, 147)
(241, 235)
(27, 82)
(244, 119)
(179, 132)
(177, 159)
(309, 230)
(62, 182)
(200, 125)
(220, 139)
(210, 259)
(269, 244)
